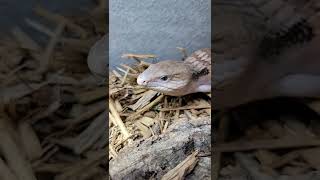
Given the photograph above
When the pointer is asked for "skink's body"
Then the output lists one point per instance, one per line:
(178, 78)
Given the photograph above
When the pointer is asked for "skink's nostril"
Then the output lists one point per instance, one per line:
(141, 81)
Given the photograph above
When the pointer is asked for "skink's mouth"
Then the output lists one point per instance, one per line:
(160, 88)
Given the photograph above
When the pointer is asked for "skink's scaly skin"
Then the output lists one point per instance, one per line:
(178, 78)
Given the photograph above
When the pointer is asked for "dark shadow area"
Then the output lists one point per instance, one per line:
(53, 105)
(266, 77)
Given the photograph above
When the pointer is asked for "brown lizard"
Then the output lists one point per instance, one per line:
(178, 78)
(272, 52)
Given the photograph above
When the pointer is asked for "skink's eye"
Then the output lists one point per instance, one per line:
(164, 78)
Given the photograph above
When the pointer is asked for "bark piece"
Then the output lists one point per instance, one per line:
(159, 154)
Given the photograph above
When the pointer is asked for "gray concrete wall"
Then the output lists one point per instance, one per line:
(136, 26)
(158, 27)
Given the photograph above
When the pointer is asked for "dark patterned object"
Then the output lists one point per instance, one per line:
(275, 42)
(197, 74)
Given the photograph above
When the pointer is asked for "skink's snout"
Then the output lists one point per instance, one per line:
(141, 80)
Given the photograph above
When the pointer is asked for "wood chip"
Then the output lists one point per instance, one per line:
(183, 168)
(25, 40)
(266, 144)
(146, 108)
(92, 95)
(115, 117)
(138, 56)
(144, 100)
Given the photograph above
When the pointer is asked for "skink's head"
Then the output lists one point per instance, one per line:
(166, 76)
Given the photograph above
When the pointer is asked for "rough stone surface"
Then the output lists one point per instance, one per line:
(157, 155)
(158, 27)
